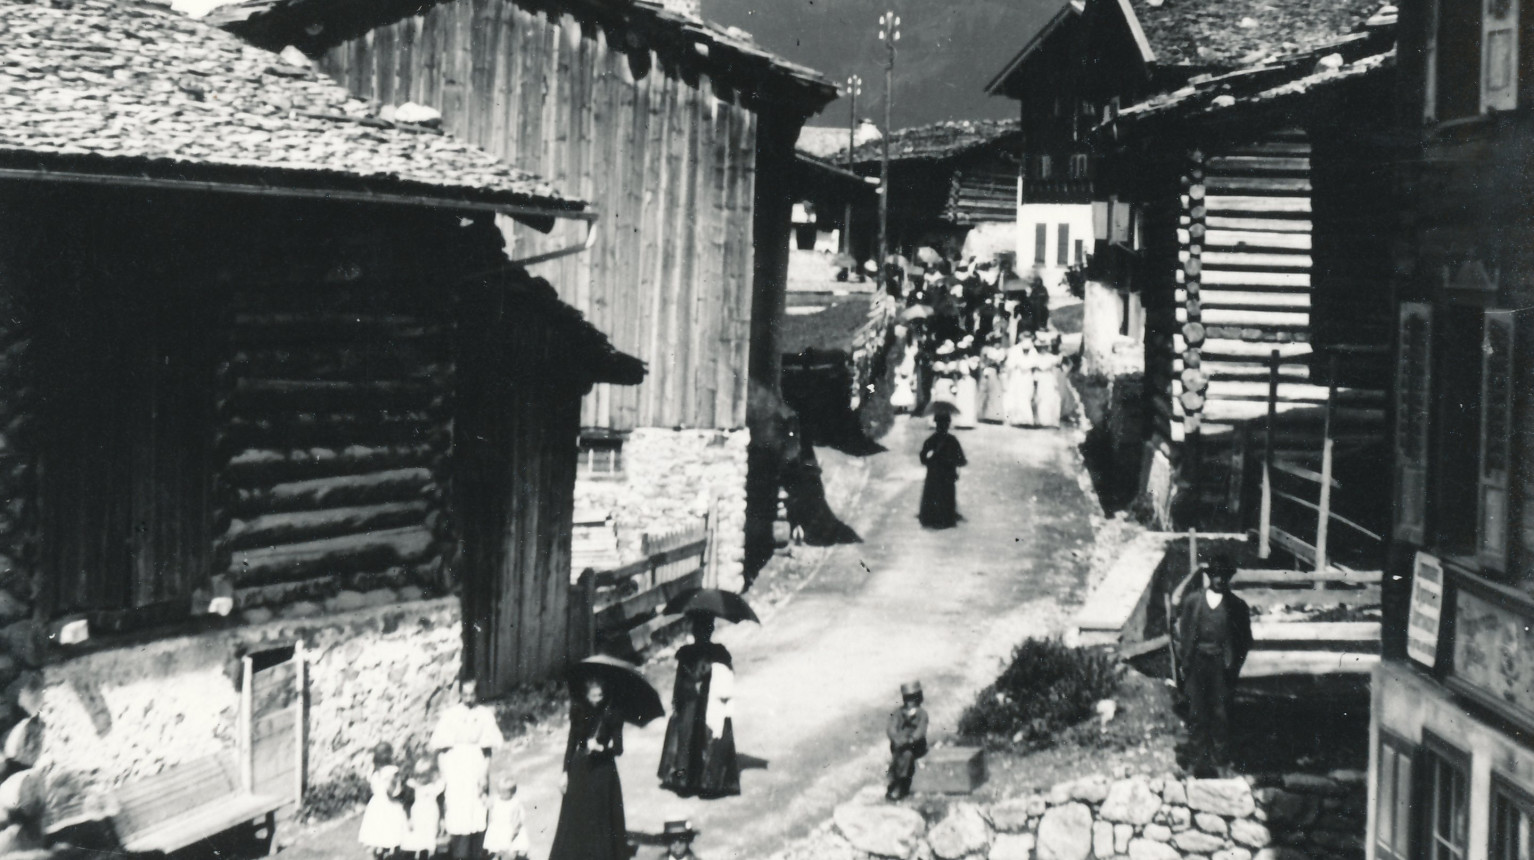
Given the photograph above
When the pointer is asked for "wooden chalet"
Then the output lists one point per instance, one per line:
(946, 179)
(1255, 230)
(265, 365)
(1452, 766)
(679, 132)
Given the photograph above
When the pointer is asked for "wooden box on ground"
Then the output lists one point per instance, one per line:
(950, 770)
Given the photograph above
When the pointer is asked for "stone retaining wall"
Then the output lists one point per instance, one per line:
(375, 674)
(1280, 817)
(670, 479)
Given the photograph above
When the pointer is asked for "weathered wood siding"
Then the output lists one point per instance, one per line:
(666, 158)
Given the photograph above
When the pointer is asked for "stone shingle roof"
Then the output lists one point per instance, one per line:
(1230, 33)
(130, 87)
(937, 141)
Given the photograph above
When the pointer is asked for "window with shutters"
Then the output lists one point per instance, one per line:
(1497, 348)
(1063, 252)
(1040, 242)
(1393, 798)
(1471, 58)
(1414, 374)
(1512, 807)
(1046, 167)
(1455, 417)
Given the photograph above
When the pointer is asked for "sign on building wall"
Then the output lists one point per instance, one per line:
(1494, 654)
(1426, 610)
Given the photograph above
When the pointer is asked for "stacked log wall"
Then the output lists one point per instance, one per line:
(335, 428)
(665, 155)
(1249, 284)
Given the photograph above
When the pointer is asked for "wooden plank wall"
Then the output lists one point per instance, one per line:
(669, 164)
(514, 487)
(335, 425)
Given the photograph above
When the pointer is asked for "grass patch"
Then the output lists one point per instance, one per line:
(1046, 689)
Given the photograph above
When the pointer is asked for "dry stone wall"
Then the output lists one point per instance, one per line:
(670, 479)
(1274, 817)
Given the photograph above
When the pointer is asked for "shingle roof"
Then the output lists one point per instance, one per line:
(725, 52)
(937, 141)
(1230, 33)
(132, 87)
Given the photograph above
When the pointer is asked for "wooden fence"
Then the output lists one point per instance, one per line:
(613, 605)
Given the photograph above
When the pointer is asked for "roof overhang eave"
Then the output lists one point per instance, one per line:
(539, 213)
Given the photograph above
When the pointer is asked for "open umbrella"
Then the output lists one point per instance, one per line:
(628, 690)
(711, 601)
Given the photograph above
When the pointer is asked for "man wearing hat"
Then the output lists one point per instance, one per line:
(907, 732)
(1214, 629)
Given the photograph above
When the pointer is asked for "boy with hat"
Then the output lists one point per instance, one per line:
(907, 731)
(1214, 629)
(679, 836)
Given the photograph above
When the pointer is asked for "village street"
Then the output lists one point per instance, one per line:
(817, 679)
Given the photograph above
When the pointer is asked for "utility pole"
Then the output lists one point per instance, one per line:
(889, 34)
(854, 89)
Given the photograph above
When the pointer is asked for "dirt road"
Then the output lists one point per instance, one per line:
(816, 680)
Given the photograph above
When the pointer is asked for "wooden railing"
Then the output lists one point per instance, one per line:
(625, 601)
(1301, 488)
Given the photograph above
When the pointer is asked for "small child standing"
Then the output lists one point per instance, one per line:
(907, 732)
(420, 839)
(384, 821)
(506, 835)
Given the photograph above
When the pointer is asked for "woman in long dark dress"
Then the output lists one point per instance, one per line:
(698, 757)
(591, 821)
(943, 456)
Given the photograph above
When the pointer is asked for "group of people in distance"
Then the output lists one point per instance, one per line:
(989, 351)
(446, 790)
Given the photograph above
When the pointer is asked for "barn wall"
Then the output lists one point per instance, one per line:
(668, 162)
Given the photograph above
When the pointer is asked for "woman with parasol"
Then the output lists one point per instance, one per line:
(605, 692)
(943, 456)
(698, 757)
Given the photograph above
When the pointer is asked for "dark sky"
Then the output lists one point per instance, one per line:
(948, 50)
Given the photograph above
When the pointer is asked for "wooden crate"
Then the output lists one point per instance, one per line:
(950, 770)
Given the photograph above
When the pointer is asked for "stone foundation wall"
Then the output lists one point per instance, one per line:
(22, 637)
(377, 674)
(1279, 817)
(670, 479)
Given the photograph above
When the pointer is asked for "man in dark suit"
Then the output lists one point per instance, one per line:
(1214, 629)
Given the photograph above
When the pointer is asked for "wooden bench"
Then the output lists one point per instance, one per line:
(187, 803)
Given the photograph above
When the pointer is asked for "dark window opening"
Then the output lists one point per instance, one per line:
(1457, 84)
(599, 452)
(1063, 256)
(1446, 801)
(1456, 407)
(1511, 810)
(1040, 242)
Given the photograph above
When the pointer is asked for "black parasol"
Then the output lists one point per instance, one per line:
(712, 601)
(623, 685)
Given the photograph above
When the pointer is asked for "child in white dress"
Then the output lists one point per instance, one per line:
(506, 835)
(384, 821)
(425, 811)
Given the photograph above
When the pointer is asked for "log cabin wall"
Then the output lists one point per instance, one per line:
(664, 154)
(1281, 249)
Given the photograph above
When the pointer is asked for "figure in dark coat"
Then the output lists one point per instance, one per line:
(1214, 629)
(591, 819)
(698, 757)
(907, 732)
(943, 456)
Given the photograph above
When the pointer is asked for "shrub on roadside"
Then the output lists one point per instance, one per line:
(1047, 688)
